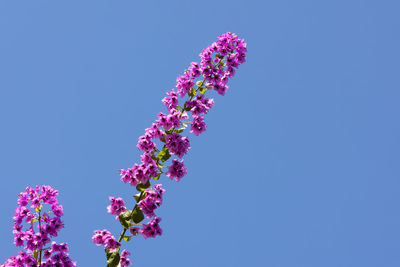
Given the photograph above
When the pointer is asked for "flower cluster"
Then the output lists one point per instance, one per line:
(117, 206)
(31, 211)
(177, 170)
(177, 145)
(151, 229)
(124, 260)
(152, 200)
(106, 239)
(217, 65)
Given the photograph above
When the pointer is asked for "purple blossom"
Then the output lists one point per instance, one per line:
(183, 84)
(152, 200)
(145, 143)
(198, 125)
(194, 70)
(106, 239)
(117, 206)
(177, 145)
(154, 132)
(124, 261)
(200, 105)
(134, 230)
(171, 101)
(151, 229)
(177, 170)
(169, 121)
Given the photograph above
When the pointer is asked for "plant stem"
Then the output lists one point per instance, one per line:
(40, 231)
(124, 231)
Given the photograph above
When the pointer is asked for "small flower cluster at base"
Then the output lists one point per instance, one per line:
(48, 225)
(124, 261)
(151, 229)
(57, 255)
(106, 239)
(22, 259)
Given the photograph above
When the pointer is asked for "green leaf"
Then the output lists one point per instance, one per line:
(127, 237)
(164, 154)
(113, 257)
(137, 215)
(141, 187)
(184, 126)
(125, 218)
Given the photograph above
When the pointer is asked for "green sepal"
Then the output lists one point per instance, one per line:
(192, 92)
(164, 154)
(137, 215)
(169, 131)
(157, 177)
(199, 83)
(125, 219)
(38, 209)
(141, 187)
(203, 90)
(113, 257)
(160, 166)
(162, 139)
(137, 197)
(36, 254)
(184, 126)
(127, 238)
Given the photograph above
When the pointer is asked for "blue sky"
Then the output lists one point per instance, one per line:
(299, 166)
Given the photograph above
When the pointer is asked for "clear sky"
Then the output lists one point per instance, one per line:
(300, 164)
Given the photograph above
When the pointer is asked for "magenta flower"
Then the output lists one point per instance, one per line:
(152, 200)
(124, 261)
(198, 125)
(177, 170)
(117, 206)
(177, 145)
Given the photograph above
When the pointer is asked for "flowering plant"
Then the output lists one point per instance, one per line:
(217, 65)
